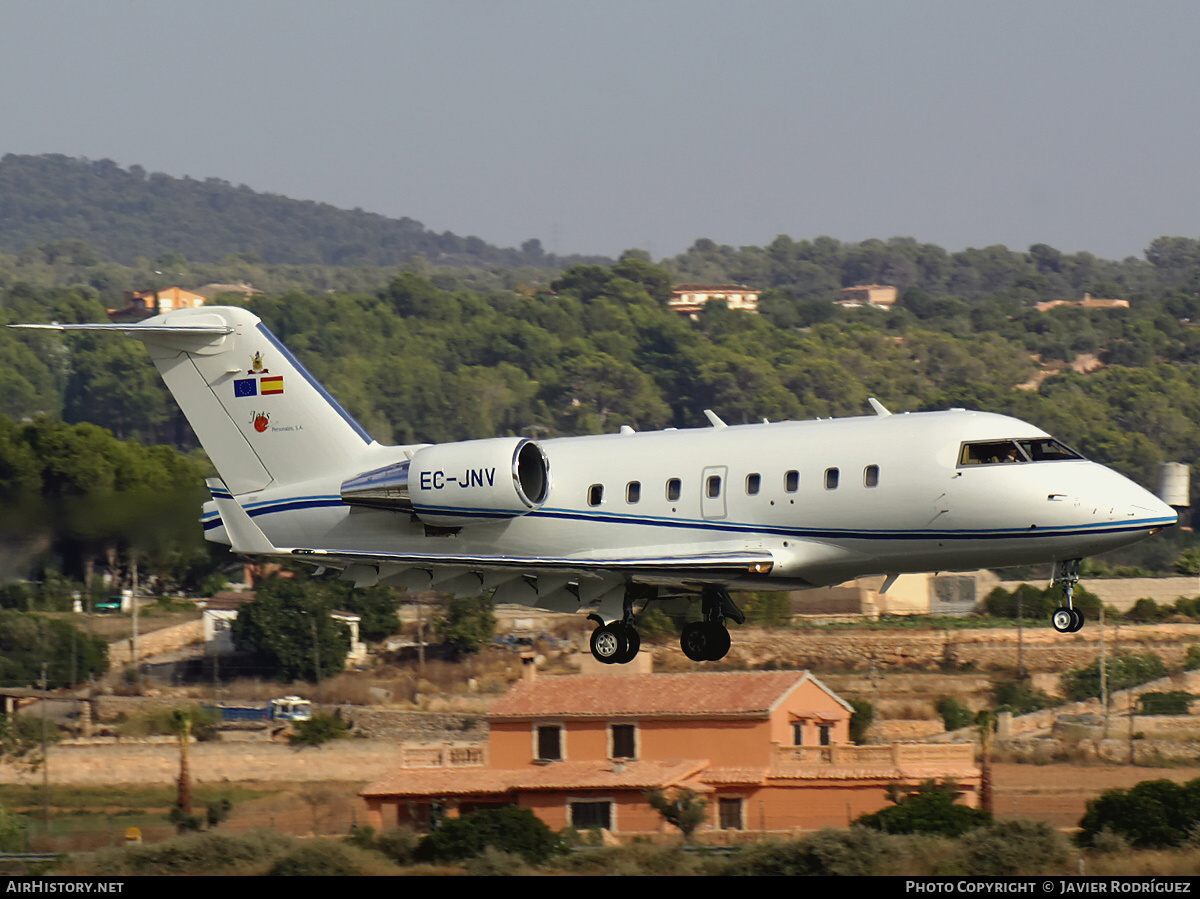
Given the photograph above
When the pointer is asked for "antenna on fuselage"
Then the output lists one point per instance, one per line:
(878, 407)
(714, 419)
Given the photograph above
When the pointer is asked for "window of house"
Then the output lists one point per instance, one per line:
(871, 476)
(791, 481)
(591, 814)
(731, 814)
(633, 491)
(595, 494)
(549, 742)
(624, 741)
(831, 478)
(797, 733)
(753, 483)
(825, 731)
(674, 489)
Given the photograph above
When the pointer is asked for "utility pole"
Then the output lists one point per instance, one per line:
(45, 761)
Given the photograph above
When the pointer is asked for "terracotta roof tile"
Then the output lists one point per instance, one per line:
(735, 693)
(596, 775)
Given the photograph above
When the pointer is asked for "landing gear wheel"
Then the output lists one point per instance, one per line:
(704, 641)
(694, 640)
(634, 644)
(609, 643)
(1066, 621)
(720, 641)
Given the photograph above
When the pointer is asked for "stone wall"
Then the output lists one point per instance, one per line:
(984, 649)
(167, 639)
(156, 761)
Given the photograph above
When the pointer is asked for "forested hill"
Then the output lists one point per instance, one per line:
(123, 214)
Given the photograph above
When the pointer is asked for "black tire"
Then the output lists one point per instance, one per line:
(634, 644)
(719, 642)
(694, 640)
(1078, 626)
(1063, 620)
(609, 643)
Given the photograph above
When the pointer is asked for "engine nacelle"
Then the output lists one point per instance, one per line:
(454, 484)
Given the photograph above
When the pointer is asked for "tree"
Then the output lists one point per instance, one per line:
(682, 807)
(860, 720)
(467, 622)
(288, 626)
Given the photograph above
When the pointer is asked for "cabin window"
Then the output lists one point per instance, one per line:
(713, 487)
(831, 478)
(549, 743)
(753, 482)
(674, 489)
(871, 476)
(624, 741)
(791, 481)
(633, 491)
(595, 494)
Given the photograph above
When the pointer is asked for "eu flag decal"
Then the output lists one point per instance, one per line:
(245, 387)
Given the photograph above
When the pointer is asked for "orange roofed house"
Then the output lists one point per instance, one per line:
(770, 750)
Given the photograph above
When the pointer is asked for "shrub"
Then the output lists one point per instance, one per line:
(853, 851)
(1175, 702)
(1191, 661)
(954, 713)
(1124, 670)
(1012, 847)
(321, 858)
(318, 730)
(508, 829)
(1145, 609)
(1154, 814)
(198, 853)
(1018, 697)
(931, 808)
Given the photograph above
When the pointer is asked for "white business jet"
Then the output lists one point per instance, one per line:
(602, 523)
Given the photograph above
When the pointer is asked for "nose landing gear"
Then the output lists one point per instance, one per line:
(1066, 619)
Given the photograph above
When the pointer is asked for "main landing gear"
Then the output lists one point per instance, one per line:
(708, 640)
(618, 642)
(1066, 619)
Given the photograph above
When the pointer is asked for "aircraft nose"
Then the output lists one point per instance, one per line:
(1131, 502)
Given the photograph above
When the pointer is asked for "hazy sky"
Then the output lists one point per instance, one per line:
(599, 126)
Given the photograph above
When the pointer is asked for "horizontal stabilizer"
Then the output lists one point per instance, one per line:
(135, 329)
(244, 535)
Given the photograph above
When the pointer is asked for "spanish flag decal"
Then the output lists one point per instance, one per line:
(268, 386)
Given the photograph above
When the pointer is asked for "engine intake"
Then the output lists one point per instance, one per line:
(454, 484)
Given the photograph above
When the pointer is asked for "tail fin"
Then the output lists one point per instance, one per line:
(261, 417)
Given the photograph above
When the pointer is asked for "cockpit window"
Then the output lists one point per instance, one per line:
(1047, 450)
(997, 452)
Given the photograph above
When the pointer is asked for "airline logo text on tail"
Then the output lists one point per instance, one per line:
(258, 386)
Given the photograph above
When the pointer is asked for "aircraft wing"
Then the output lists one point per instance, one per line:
(246, 537)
